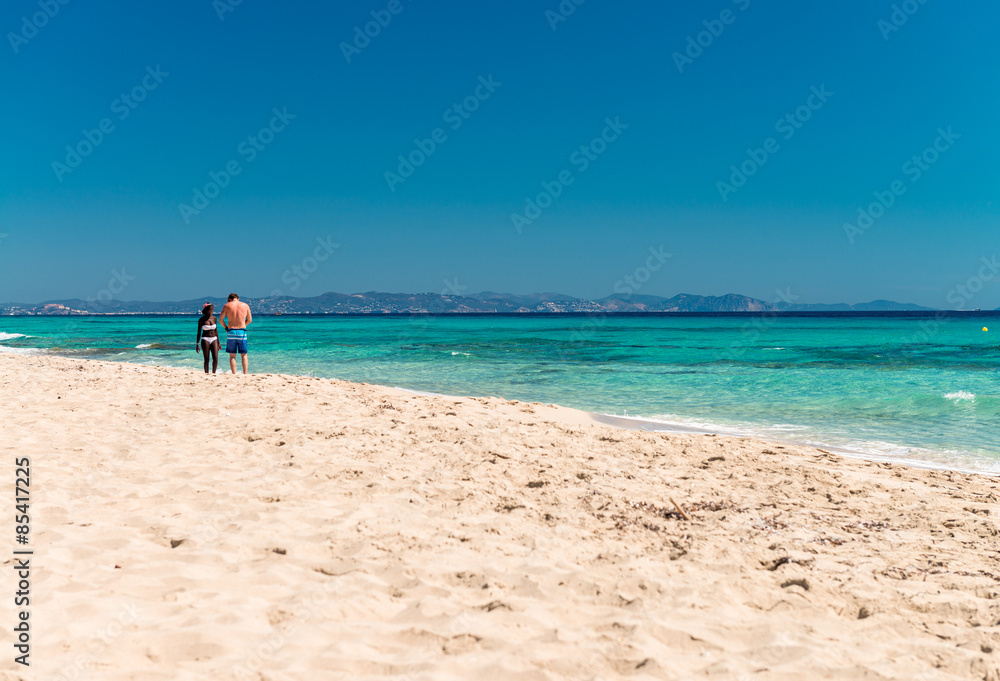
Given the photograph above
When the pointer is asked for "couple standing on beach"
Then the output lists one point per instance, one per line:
(235, 317)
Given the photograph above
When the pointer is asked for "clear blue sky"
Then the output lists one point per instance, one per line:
(323, 174)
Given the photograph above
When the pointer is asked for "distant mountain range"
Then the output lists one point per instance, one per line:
(874, 306)
(416, 303)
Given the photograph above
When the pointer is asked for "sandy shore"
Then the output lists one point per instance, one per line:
(279, 528)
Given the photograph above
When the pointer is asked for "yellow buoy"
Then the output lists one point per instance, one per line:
(985, 329)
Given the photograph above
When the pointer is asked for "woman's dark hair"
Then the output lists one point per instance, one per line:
(208, 310)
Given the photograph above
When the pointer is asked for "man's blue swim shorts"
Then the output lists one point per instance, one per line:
(236, 341)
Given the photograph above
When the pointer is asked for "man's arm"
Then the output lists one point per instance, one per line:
(222, 316)
(249, 316)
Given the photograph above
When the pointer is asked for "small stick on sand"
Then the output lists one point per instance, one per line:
(679, 509)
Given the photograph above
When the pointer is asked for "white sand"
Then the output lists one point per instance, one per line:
(279, 528)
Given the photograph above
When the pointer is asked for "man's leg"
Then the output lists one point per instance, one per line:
(232, 362)
(246, 365)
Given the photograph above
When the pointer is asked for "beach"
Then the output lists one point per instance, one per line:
(863, 386)
(279, 527)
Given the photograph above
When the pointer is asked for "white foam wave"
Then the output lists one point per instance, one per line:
(960, 395)
(19, 351)
(421, 392)
(11, 336)
(919, 457)
(143, 346)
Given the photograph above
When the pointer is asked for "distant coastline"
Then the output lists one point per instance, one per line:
(790, 314)
(486, 303)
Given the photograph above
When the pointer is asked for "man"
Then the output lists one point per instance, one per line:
(235, 316)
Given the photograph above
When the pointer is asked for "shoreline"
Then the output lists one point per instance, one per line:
(649, 425)
(654, 426)
(639, 423)
(310, 528)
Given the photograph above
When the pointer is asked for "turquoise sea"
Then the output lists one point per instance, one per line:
(925, 389)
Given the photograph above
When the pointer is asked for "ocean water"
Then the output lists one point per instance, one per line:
(922, 389)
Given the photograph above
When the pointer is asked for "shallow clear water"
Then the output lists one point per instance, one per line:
(915, 388)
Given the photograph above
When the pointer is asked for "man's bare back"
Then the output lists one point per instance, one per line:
(238, 314)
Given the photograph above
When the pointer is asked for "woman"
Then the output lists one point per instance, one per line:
(208, 336)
